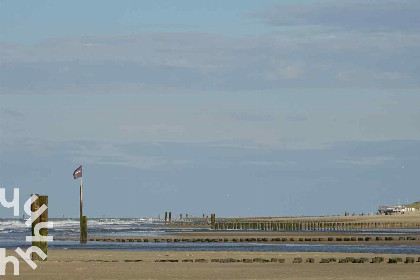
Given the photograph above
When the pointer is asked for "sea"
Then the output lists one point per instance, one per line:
(13, 234)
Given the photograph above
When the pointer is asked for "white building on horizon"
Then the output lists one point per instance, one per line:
(395, 209)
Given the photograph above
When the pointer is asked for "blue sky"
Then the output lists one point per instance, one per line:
(45, 19)
(262, 108)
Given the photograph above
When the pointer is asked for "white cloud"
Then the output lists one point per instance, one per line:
(360, 15)
(252, 116)
(365, 161)
(306, 57)
(270, 163)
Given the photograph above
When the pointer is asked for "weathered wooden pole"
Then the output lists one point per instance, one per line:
(81, 199)
(213, 220)
(34, 208)
(170, 217)
(83, 220)
(42, 200)
(83, 230)
(166, 217)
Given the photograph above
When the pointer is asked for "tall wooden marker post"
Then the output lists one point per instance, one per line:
(81, 198)
(83, 219)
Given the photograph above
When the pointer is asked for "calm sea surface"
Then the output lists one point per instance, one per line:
(13, 233)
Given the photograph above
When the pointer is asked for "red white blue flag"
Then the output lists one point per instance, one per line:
(78, 172)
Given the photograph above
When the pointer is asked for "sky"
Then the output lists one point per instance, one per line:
(239, 108)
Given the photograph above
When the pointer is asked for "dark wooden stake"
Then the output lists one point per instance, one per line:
(213, 220)
(43, 231)
(83, 230)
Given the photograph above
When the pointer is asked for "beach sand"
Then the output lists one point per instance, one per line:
(95, 264)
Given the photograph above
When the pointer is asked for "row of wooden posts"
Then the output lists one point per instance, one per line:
(307, 225)
(184, 219)
(225, 223)
(166, 217)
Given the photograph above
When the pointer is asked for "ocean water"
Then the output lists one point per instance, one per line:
(13, 233)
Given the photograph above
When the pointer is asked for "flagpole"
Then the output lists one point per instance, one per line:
(81, 198)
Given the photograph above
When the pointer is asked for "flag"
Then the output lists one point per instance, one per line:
(78, 172)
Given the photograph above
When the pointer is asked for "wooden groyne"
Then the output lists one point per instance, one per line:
(327, 223)
(308, 225)
(182, 221)
(340, 239)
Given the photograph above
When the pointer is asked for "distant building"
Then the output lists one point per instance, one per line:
(395, 209)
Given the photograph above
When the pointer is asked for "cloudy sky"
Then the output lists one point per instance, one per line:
(262, 108)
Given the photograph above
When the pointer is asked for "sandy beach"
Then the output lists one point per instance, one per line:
(89, 264)
(192, 140)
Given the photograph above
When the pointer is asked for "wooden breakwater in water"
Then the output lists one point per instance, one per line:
(327, 223)
(229, 224)
(225, 224)
(341, 239)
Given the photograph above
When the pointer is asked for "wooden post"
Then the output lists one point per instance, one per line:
(43, 231)
(212, 220)
(83, 230)
(180, 216)
(166, 217)
(170, 217)
(34, 208)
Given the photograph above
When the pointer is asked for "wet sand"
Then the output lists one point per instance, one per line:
(89, 264)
